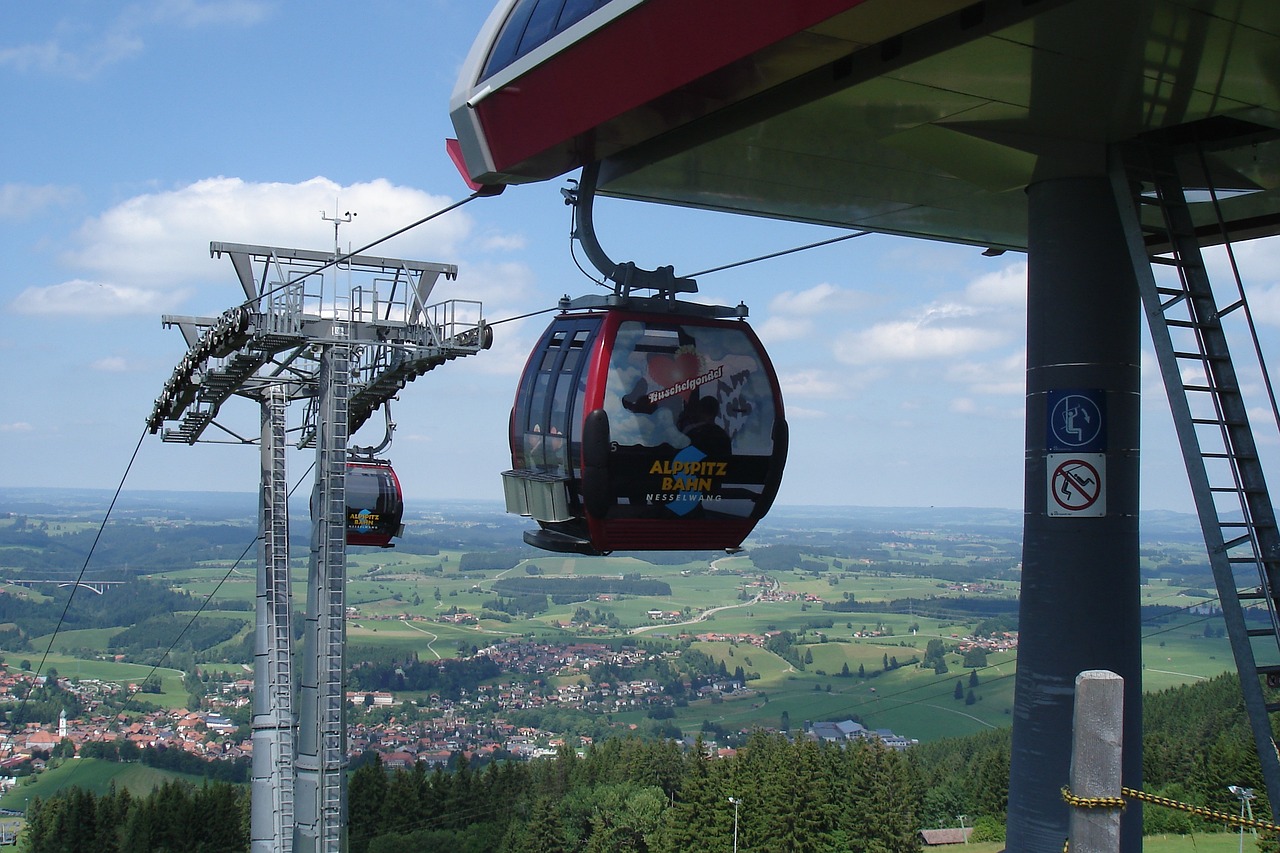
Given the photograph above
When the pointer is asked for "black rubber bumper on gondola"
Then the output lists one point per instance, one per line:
(563, 543)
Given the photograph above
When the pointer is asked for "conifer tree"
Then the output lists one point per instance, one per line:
(694, 822)
(401, 810)
(543, 833)
(366, 792)
(230, 829)
(38, 833)
(111, 813)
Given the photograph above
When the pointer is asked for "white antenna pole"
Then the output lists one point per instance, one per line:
(337, 221)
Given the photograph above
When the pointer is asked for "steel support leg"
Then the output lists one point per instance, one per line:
(1079, 607)
(321, 812)
(271, 818)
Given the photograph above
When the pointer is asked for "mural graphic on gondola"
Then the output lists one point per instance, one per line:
(691, 414)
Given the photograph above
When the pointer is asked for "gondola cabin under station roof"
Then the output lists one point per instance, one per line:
(645, 428)
(1111, 140)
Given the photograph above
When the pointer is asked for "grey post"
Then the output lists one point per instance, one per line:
(1096, 741)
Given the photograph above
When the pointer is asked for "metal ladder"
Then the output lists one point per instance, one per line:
(320, 796)
(279, 605)
(275, 555)
(330, 715)
(1209, 414)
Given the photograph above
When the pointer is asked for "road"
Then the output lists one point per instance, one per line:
(706, 614)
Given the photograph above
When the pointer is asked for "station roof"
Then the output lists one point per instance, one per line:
(926, 118)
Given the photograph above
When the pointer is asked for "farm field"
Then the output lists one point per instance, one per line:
(173, 695)
(393, 602)
(93, 775)
(910, 701)
(915, 564)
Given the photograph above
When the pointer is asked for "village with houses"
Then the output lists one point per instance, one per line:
(433, 730)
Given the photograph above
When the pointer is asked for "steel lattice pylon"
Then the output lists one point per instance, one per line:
(301, 335)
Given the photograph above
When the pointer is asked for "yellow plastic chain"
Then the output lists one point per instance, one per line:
(1134, 794)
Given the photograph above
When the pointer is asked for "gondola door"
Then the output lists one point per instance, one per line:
(546, 434)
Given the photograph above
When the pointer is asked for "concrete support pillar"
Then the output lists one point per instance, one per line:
(1080, 607)
(1096, 758)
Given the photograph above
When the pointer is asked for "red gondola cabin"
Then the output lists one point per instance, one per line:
(375, 505)
(645, 431)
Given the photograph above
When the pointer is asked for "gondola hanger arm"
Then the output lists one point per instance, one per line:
(626, 276)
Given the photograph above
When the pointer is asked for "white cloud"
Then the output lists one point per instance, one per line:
(1264, 304)
(1002, 376)
(795, 413)
(777, 329)
(907, 340)
(792, 313)
(508, 291)
(942, 311)
(970, 407)
(150, 254)
(811, 383)
(80, 49)
(191, 14)
(80, 63)
(16, 426)
(1152, 387)
(819, 299)
(495, 242)
(160, 238)
(509, 287)
(987, 314)
(95, 299)
(110, 364)
(22, 201)
(1005, 288)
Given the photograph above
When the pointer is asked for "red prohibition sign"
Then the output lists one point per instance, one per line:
(1076, 485)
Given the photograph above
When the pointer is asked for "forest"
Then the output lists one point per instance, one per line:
(656, 796)
(145, 599)
(174, 817)
(449, 677)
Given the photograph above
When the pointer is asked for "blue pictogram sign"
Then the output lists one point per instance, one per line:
(1077, 421)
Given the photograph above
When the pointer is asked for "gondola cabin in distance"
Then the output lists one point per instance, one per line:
(645, 430)
(375, 504)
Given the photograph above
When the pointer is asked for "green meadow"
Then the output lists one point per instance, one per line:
(90, 774)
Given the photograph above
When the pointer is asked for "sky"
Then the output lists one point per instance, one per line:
(135, 134)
